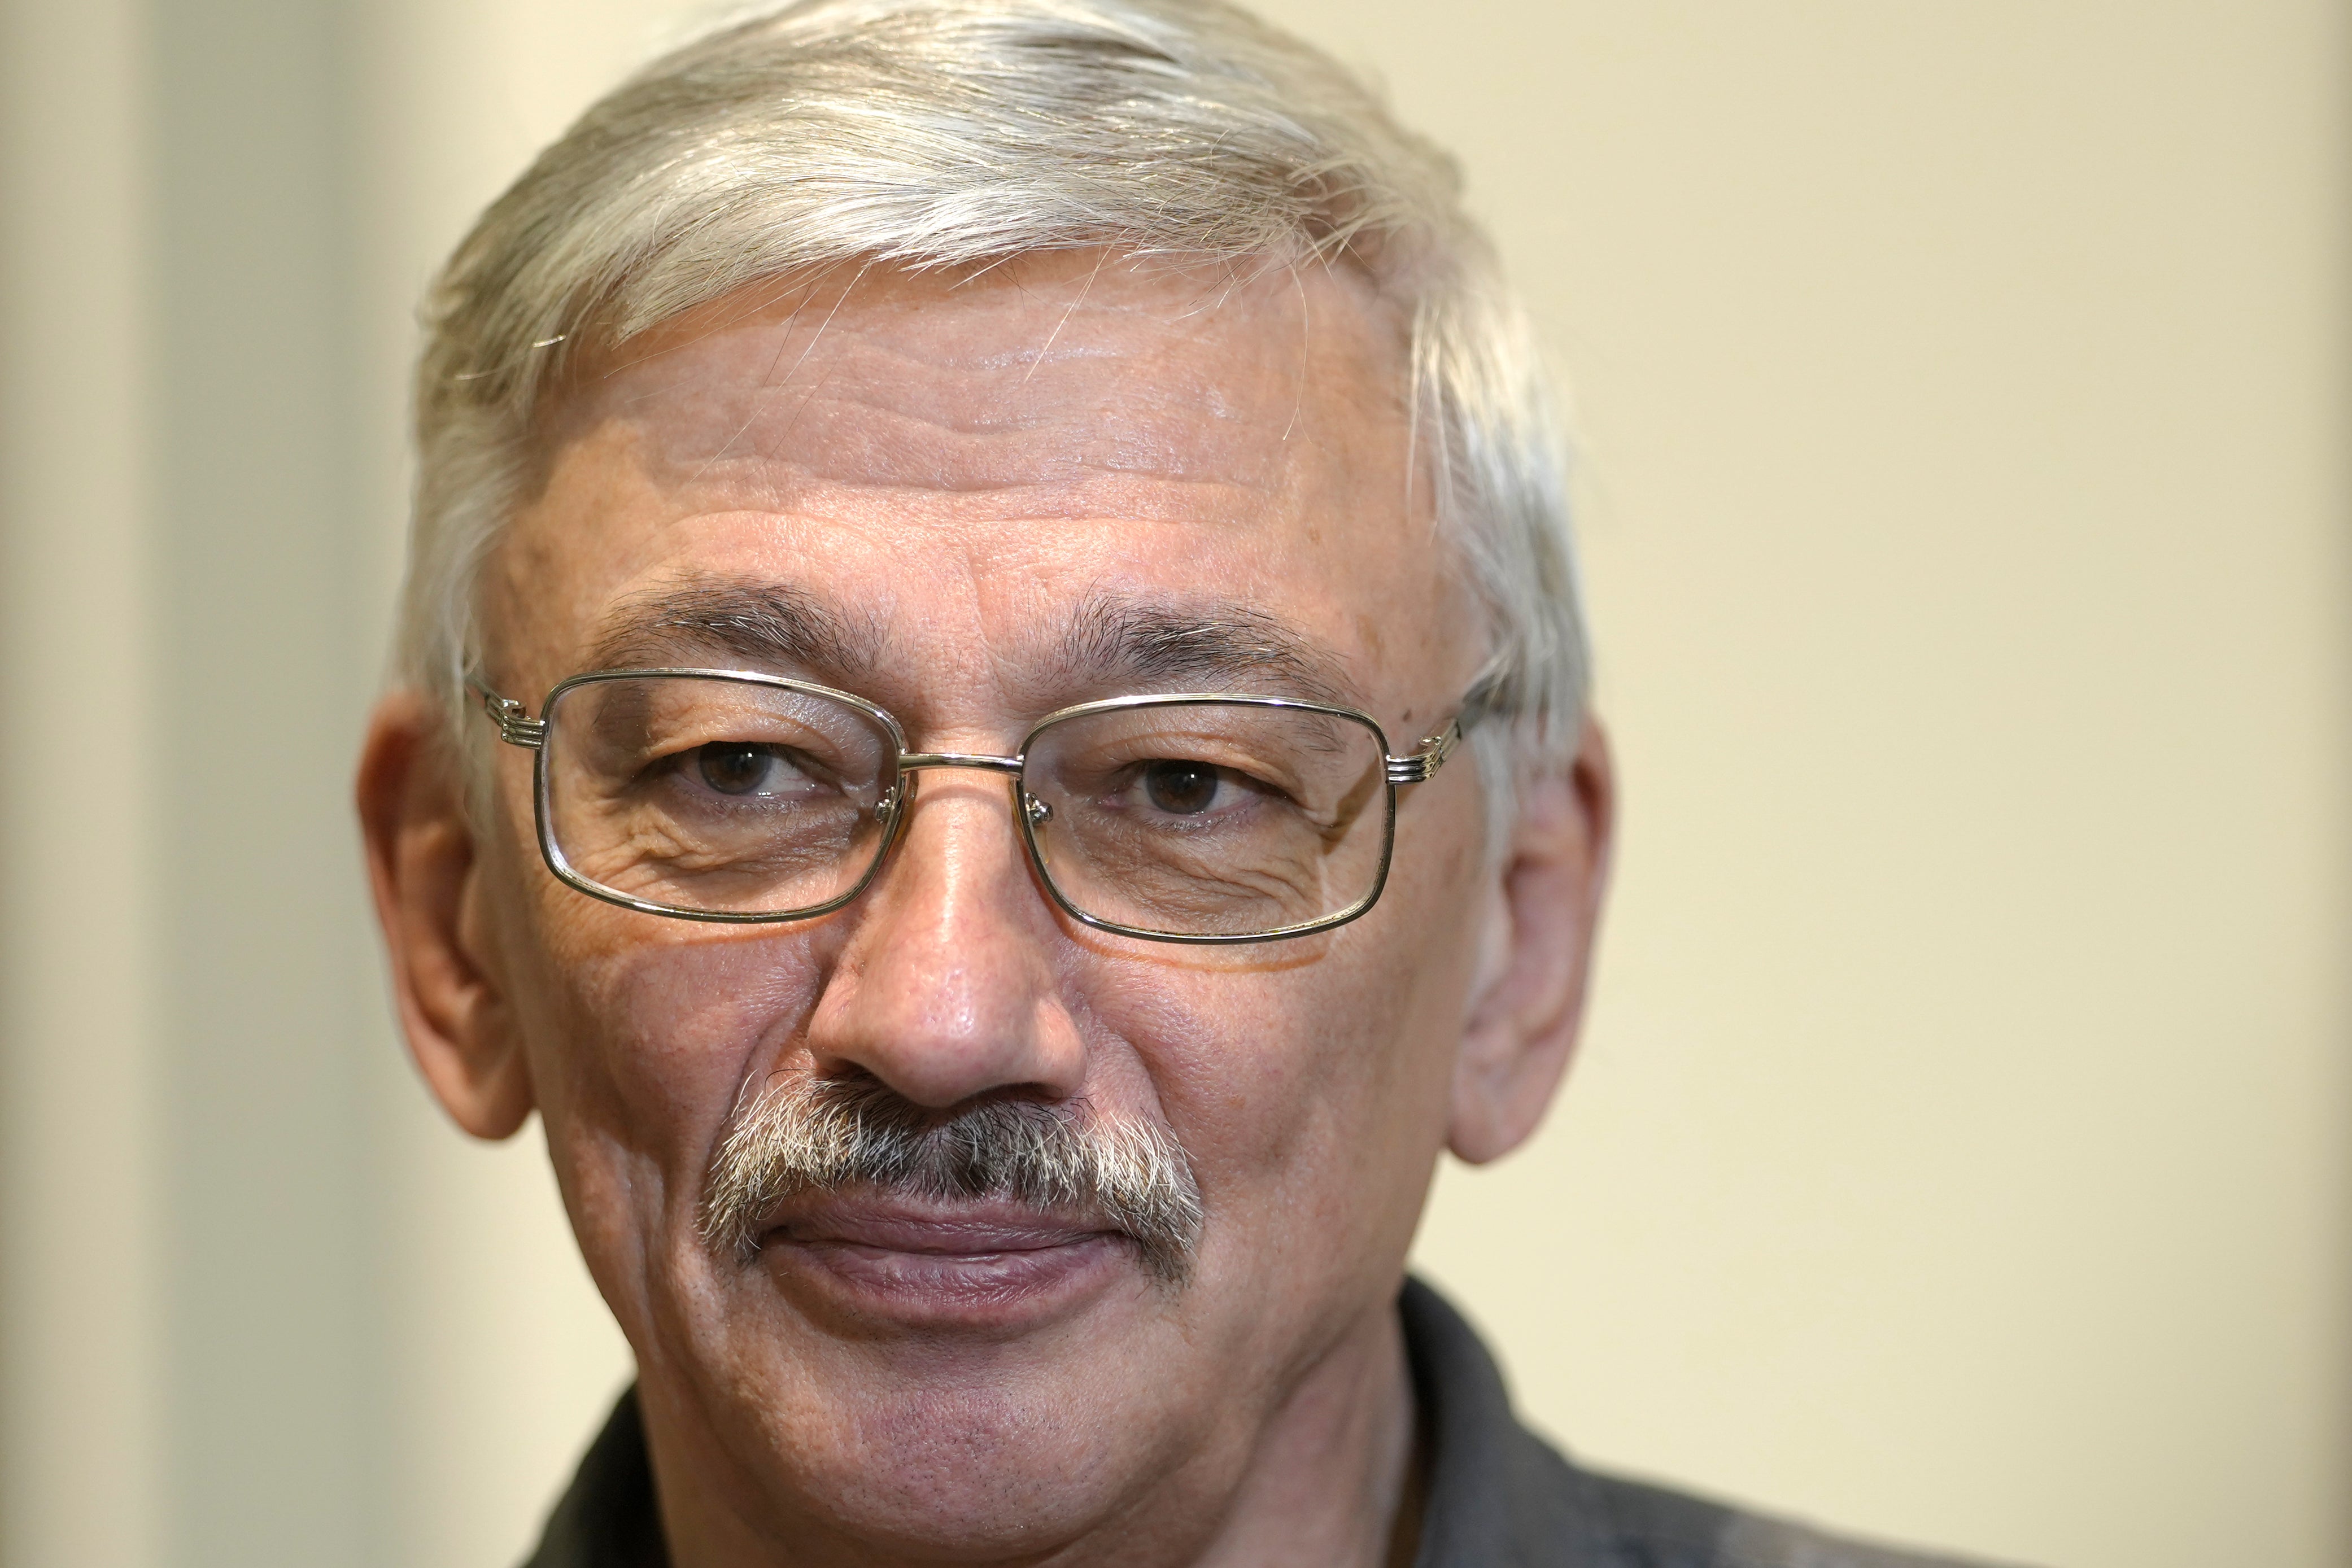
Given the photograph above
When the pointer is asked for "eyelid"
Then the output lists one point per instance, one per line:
(1242, 783)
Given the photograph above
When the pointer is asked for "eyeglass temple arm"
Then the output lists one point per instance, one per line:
(516, 728)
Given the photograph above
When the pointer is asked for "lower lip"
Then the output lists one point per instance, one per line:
(1000, 1286)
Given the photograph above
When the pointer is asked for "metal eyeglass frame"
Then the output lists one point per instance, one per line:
(516, 728)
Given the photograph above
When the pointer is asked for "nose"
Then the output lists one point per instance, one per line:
(947, 988)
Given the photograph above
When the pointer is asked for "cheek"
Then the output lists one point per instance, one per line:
(1327, 1088)
(1311, 1096)
(641, 1038)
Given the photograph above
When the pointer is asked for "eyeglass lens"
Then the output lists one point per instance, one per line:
(1208, 818)
(704, 794)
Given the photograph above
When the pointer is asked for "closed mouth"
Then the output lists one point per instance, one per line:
(943, 1261)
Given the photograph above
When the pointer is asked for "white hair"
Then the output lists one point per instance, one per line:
(805, 1135)
(925, 133)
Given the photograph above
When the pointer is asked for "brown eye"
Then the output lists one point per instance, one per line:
(1181, 788)
(735, 768)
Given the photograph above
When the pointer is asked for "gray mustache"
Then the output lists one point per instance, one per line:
(806, 1134)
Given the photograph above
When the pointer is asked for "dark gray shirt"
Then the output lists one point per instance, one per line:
(1498, 1495)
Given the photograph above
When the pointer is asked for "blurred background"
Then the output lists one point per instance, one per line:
(1961, 1149)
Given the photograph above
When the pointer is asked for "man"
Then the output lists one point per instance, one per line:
(991, 730)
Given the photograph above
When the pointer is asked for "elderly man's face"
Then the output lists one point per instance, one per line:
(992, 497)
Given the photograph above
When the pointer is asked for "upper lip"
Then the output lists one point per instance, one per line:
(946, 1228)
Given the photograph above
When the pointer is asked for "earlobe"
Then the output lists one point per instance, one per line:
(423, 865)
(1545, 909)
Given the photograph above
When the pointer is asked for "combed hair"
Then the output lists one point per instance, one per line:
(944, 133)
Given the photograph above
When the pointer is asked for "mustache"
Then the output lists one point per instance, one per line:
(805, 1135)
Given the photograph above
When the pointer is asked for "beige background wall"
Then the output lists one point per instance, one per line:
(1962, 1147)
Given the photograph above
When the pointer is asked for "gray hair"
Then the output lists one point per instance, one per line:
(811, 1135)
(929, 133)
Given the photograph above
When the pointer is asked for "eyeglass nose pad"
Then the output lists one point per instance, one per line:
(1039, 812)
(886, 807)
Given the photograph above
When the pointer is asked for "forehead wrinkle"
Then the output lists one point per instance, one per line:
(772, 387)
(1011, 395)
(1089, 493)
(831, 438)
(764, 622)
(960, 401)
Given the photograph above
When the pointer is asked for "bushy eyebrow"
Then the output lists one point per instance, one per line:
(1217, 644)
(1106, 643)
(764, 624)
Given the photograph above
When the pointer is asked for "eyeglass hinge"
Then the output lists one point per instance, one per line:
(1422, 765)
(516, 728)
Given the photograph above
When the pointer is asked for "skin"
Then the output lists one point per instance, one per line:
(951, 464)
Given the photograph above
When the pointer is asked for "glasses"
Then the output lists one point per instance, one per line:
(725, 795)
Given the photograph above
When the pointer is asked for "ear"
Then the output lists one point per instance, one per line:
(422, 862)
(1538, 952)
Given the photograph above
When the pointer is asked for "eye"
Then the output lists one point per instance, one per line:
(740, 768)
(1181, 788)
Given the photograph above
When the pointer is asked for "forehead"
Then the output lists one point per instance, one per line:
(992, 455)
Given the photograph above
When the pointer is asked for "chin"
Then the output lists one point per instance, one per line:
(993, 1401)
(978, 1443)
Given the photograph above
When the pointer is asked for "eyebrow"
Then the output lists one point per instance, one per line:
(1105, 642)
(1220, 643)
(762, 624)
